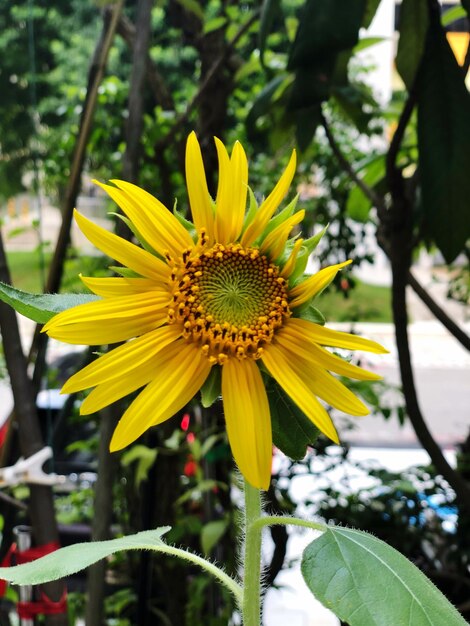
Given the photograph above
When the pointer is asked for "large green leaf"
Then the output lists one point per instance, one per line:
(443, 141)
(292, 429)
(414, 23)
(365, 582)
(327, 32)
(71, 559)
(41, 307)
(325, 27)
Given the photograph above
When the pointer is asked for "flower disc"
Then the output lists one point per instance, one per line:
(231, 300)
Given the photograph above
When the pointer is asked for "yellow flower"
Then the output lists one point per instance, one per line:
(226, 296)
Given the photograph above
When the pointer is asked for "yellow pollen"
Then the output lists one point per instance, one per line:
(230, 300)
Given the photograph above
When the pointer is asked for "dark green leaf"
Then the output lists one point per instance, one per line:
(414, 23)
(211, 389)
(41, 307)
(466, 6)
(365, 582)
(262, 103)
(292, 430)
(307, 122)
(325, 28)
(369, 13)
(71, 559)
(443, 141)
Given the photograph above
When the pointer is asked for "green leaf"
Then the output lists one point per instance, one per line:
(369, 12)
(414, 23)
(144, 457)
(443, 141)
(310, 313)
(214, 24)
(72, 559)
(41, 307)
(466, 6)
(292, 429)
(358, 204)
(211, 534)
(365, 582)
(367, 42)
(193, 6)
(211, 389)
(308, 246)
(452, 15)
(326, 27)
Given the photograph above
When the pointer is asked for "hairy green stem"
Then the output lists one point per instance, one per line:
(212, 569)
(272, 520)
(251, 608)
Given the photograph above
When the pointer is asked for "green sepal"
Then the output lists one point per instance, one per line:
(211, 389)
(186, 224)
(308, 246)
(41, 307)
(292, 430)
(310, 313)
(281, 217)
(145, 245)
(252, 210)
(125, 272)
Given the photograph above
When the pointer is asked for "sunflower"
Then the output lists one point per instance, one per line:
(225, 291)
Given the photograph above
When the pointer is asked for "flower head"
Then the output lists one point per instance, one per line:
(225, 294)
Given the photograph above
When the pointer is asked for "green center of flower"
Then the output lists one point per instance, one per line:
(231, 300)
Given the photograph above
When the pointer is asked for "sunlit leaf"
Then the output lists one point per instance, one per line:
(41, 307)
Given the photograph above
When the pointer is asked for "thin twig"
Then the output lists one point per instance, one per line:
(438, 312)
(183, 117)
(375, 198)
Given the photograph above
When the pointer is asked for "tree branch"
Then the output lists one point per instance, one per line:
(95, 76)
(375, 198)
(438, 312)
(40, 505)
(183, 117)
(155, 80)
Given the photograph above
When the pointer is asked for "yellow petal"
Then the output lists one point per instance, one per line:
(110, 320)
(269, 206)
(123, 360)
(199, 197)
(248, 420)
(314, 284)
(141, 261)
(309, 331)
(323, 384)
(223, 218)
(239, 176)
(114, 286)
(182, 371)
(275, 242)
(296, 384)
(290, 263)
(152, 219)
(231, 192)
(317, 356)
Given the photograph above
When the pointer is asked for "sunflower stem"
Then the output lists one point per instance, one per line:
(252, 558)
